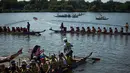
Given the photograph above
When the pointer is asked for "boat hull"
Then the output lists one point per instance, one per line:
(83, 33)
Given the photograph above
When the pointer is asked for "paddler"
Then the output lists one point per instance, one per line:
(88, 30)
(93, 29)
(116, 30)
(104, 30)
(28, 26)
(77, 29)
(99, 30)
(121, 31)
(8, 29)
(5, 29)
(127, 27)
(13, 29)
(35, 52)
(67, 47)
(110, 30)
(83, 30)
(71, 29)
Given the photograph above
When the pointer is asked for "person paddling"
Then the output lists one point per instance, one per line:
(77, 29)
(83, 30)
(93, 29)
(116, 31)
(88, 30)
(71, 29)
(110, 30)
(104, 30)
(121, 31)
(28, 26)
(99, 30)
(127, 27)
(67, 47)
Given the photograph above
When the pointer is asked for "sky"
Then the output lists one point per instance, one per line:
(93, 0)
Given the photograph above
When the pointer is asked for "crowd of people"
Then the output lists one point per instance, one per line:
(94, 30)
(41, 63)
(15, 29)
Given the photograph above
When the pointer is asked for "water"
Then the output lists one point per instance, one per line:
(113, 50)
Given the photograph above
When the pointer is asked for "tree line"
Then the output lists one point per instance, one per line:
(66, 6)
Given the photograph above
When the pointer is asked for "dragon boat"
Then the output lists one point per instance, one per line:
(83, 33)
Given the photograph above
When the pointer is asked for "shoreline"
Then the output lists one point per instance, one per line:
(26, 11)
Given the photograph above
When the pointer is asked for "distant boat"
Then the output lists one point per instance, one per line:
(35, 18)
(101, 17)
(67, 15)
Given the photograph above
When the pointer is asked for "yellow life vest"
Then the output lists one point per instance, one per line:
(69, 60)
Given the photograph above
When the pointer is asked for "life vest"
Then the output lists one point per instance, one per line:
(69, 60)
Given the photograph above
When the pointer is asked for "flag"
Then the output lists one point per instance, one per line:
(35, 18)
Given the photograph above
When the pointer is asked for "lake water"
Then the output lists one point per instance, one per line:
(114, 51)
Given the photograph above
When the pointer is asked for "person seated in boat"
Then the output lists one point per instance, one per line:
(25, 30)
(67, 47)
(65, 29)
(127, 27)
(21, 29)
(35, 52)
(23, 68)
(110, 30)
(53, 63)
(88, 30)
(8, 29)
(121, 31)
(116, 30)
(13, 29)
(93, 29)
(14, 68)
(18, 29)
(62, 60)
(5, 29)
(1, 29)
(104, 30)
(83, 30)
(34, 67)
(71, 29)
(77, 29)
(62, 26)
(99, 30)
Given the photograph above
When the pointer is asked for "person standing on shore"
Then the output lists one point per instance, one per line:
(28, 26)
(127, 27)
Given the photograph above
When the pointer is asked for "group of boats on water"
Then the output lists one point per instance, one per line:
(69, 15)
(100, 17)
(63, 29)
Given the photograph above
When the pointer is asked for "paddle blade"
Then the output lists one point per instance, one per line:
(96, 59)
